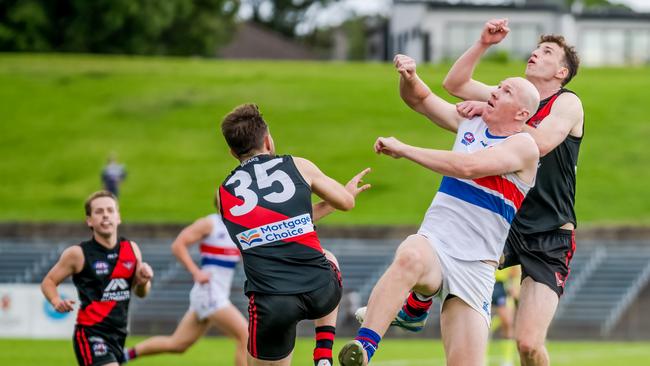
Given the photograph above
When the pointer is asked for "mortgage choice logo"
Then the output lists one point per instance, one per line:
(275, 231)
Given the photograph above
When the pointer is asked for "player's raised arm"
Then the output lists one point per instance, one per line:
(417, 95)
(188, 237)
(70, 262)
(518, 154)
(459, 81)
(322, 209)
(143, 273)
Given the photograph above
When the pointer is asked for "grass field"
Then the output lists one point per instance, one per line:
(62, 115)
(218, 352)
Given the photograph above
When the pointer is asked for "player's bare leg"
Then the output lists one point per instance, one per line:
(283, 362)
(325, 329)
(537, 305)
(464, 334)
(233, 324)
(416, 266)
(188, 331)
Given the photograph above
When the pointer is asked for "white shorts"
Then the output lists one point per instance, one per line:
(471, 281)
(208, 298)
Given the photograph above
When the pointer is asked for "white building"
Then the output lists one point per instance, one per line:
(434, 31)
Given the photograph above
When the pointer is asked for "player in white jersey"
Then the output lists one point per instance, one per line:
(210, 297)
(455, 253)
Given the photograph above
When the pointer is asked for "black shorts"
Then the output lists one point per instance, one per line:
(499, 295)
(544, 257)
(94, 347)
(273, 318)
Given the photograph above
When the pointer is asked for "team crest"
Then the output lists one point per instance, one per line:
(101, 268)
(468, 138)
(128, 264)
(99, 347)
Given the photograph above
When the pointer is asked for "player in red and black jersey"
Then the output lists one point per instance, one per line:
(104, 269)
(541, 237)
(266, 206)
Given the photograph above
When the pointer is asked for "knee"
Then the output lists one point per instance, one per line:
(528, 347)
(409, 261)
(180, 347)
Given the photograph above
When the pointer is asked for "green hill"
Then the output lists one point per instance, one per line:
(62, 115)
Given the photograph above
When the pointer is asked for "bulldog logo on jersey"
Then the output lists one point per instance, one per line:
(468, 138)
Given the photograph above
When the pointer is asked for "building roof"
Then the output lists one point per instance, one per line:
(252, 41)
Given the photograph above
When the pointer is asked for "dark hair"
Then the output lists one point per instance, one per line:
(244, 129)
(571, 59)
(94, 196)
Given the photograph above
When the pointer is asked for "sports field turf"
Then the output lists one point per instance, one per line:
(218, 352)
(62, 115)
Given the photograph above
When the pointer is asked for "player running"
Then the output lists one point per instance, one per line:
(210, 304)
(504, 295)
(104, 269)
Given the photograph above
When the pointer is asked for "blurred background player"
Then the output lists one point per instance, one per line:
(504, 302)
(210, 304)
(104, 269)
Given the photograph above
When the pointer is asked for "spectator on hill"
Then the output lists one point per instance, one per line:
(112, 175)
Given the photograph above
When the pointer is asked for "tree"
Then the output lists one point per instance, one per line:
(181, 27)
(281, 15)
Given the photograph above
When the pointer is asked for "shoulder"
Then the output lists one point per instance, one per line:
(135, 248)
(73, 257)
(523, 144)
(567, 102)
(73, 253)
(205, 224)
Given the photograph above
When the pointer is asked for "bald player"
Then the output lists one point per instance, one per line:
(455, 253)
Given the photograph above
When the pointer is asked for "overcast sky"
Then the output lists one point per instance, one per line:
(638, 5)
(337, 12)
(365, 5)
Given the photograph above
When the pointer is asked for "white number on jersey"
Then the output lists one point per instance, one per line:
(264, 180)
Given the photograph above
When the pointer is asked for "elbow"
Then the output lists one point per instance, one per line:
(544, 149)
(467, 169)
(452, 87)
(348, 203)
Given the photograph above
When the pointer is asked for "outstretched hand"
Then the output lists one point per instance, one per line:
(353, 185)
(389, 146)
(494, 31)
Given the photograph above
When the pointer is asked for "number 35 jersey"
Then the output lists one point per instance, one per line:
(266, 206)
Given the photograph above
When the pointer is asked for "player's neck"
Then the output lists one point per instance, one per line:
(546, 88)
(243, 158)
(109, 241)
(504, 130)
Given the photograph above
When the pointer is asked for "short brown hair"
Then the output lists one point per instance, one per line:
(244, 129)
(96, 195)
(571, 59)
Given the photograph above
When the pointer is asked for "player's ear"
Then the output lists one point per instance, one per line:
(562, 73)
(522, 115)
